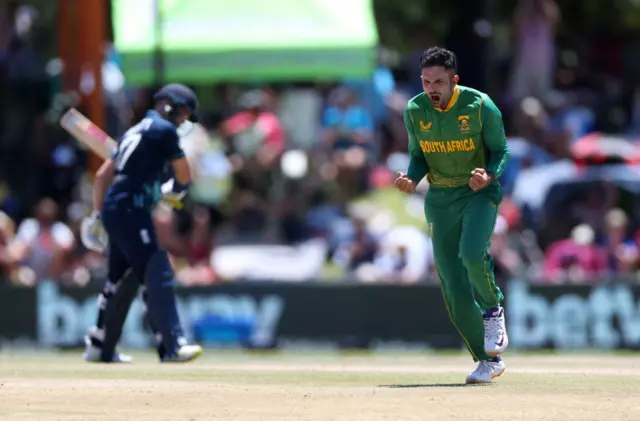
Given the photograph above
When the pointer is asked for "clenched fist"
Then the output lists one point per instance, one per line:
(405, 184)
(479, 179)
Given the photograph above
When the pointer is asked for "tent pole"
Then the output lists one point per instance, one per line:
(158, 54)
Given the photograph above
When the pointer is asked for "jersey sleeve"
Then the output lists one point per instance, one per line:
(418, 166)
(170, 145)
(493, 137)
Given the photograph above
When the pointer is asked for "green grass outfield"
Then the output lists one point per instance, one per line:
(323, 386)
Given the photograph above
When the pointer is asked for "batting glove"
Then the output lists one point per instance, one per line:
(92, 233)
(169, 195)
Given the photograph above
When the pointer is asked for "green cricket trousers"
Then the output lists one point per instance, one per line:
(461, 223)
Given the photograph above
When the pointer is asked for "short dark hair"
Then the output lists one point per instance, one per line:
(437, 56)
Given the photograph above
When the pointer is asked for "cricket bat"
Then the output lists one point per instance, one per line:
(94, 138)
(88, 133)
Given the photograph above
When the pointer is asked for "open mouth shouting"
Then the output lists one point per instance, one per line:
(435, 98)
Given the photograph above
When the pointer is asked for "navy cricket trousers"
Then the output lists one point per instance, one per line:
(133, 244)
(132, 241)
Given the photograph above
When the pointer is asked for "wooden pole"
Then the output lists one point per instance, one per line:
(92, 20)
(66, 45)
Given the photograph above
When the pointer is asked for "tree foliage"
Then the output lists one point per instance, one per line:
(398, 20)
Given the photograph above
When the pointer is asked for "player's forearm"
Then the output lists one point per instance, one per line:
(102, 181)
(418, 168)
(181, 171)
(98, 198)
(100, 187)
(498, 159)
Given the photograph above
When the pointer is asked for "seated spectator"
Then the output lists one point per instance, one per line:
(322, 213)
(347, 124)
(7, 262)
(42, 244)
(619, 245)
(199, 243)
(257, 140)
(190, 253)
(360, 249)
(348, 135)
(82, 265)
(576, 259)
(405, 256)
(598, 202)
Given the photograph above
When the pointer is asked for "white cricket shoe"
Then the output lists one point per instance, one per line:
(495, 333)
(185, 354)
(92, 353)
(486, 372)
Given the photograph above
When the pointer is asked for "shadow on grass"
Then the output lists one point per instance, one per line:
(429, 385)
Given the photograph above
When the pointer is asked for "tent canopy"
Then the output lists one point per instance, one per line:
(237, 40)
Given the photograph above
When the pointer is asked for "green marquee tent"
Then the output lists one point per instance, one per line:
(238, 40)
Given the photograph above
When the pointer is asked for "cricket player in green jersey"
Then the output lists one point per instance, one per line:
(457, 140)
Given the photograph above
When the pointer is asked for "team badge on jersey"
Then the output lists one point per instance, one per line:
(425, 127)
(463, 123)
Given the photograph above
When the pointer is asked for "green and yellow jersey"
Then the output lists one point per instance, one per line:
(447, 144)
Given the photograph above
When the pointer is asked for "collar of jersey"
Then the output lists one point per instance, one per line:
(452, 101)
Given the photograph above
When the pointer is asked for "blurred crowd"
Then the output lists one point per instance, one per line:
(295, 181)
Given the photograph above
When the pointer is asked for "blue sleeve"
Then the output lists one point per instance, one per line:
(331, 117)
(170, 145)
(364, 120)
(383, 81)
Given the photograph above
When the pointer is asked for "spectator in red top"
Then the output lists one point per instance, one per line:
(198, 244)
(257, 140)
(256, 132)
(190, 253)
(576, 259)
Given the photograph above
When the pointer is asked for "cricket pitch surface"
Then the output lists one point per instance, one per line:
(318, 386)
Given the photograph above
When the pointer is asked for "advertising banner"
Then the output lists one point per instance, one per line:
(604, 316)
(285, 315)
(255, 315)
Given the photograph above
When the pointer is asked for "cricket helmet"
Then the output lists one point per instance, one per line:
(179, 96)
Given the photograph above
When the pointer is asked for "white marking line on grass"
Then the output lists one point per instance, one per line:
(333, 368)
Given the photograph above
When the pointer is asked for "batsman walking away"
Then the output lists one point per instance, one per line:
(457, 140)
(127, 188)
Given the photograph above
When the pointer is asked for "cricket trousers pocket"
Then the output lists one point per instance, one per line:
(461, 222)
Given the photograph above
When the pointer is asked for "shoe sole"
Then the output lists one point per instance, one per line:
(489, 382)
(186, 360)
